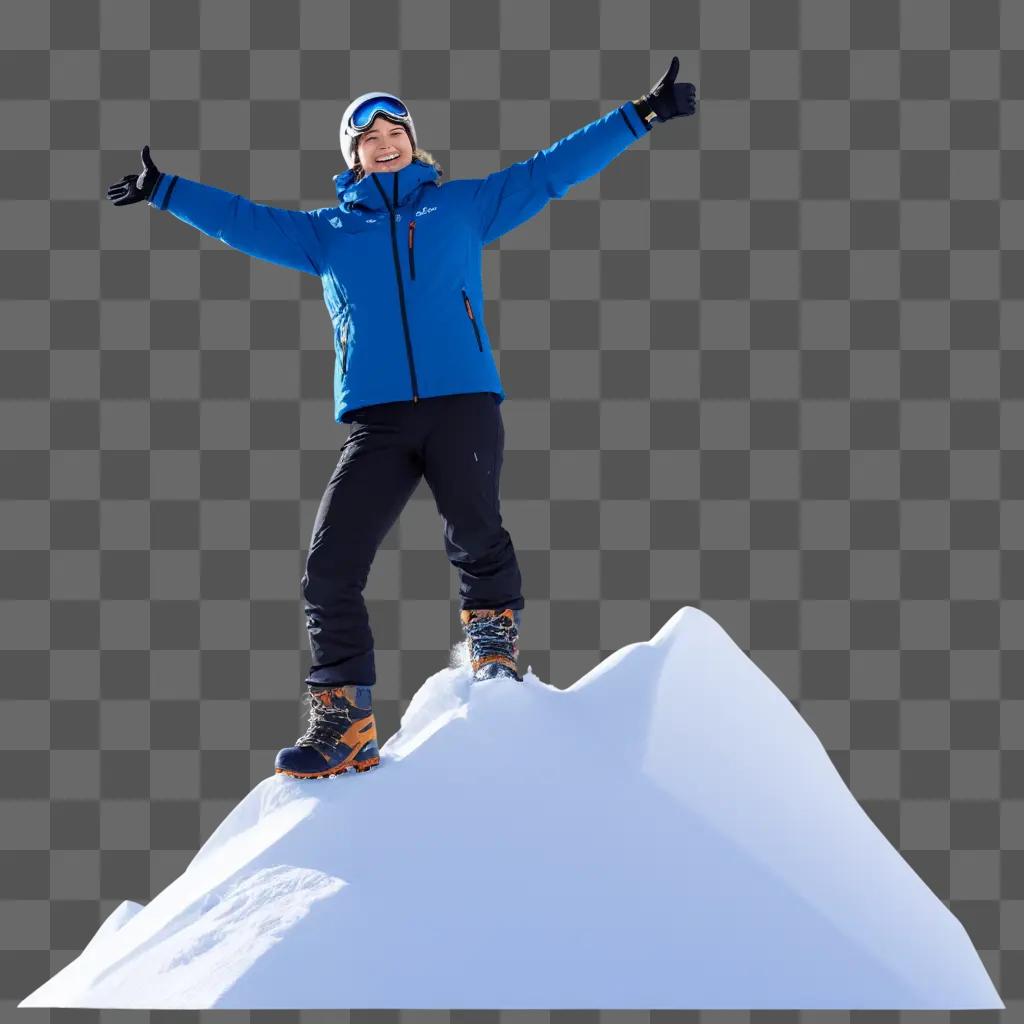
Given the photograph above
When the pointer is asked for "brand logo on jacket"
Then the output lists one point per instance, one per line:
(424, 211)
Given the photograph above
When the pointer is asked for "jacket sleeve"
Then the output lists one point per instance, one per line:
(505, 199)
(286, 237)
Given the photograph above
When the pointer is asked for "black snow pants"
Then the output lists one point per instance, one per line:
(457, 443)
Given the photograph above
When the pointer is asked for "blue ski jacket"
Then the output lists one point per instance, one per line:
(399, 258)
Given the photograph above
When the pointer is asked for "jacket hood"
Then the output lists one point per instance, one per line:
(366, 193)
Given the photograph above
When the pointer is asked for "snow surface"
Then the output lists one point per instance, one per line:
(668, 832)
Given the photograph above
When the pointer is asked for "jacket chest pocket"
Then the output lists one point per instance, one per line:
(472, 319)
(412, 248)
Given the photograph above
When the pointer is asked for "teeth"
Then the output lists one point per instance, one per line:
(387, 159)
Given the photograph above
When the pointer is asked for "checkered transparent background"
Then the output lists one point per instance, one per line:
(769, 362)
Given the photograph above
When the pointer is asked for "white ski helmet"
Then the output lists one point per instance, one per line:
(359, 116)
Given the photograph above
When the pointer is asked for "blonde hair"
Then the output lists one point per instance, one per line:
(417, 154)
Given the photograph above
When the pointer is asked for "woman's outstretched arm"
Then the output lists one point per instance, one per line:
(506, 198)
(286, 237)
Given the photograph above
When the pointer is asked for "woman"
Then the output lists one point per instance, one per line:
(399, 260)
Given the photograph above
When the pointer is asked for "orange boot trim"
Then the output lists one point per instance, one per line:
(485, 613)
(502, 658)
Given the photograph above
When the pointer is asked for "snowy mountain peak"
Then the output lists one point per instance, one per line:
(490, 852)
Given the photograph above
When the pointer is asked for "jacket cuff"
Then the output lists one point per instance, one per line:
(162, 192)
(633, 118)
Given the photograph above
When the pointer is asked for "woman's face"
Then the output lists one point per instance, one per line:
(384, 139)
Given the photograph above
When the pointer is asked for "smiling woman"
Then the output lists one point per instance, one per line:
(377, 133)
(398, 256)
(387, 146)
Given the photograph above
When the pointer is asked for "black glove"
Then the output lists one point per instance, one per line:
(133, 188)
(667, 98)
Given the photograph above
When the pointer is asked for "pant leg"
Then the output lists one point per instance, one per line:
(376, 475)
(462, 457)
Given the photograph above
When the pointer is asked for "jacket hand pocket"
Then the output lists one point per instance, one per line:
(343, 342)
(472, 319)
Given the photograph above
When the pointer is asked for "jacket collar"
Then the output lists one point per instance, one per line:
(366, 193)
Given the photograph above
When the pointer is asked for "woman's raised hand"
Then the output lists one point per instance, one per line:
(669, 98)
(133, 188)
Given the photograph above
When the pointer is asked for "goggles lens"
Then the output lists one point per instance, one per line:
(364, 114)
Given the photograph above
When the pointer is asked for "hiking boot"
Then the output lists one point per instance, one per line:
(492, 637)
(342, 735)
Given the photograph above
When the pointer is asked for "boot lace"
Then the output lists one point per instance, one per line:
(326, 724)
(493, 634)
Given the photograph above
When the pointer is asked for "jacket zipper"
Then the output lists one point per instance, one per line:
(412, 261)
(398, 274)
(472, 319)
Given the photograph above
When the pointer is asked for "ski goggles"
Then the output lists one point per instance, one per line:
(362, 117)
